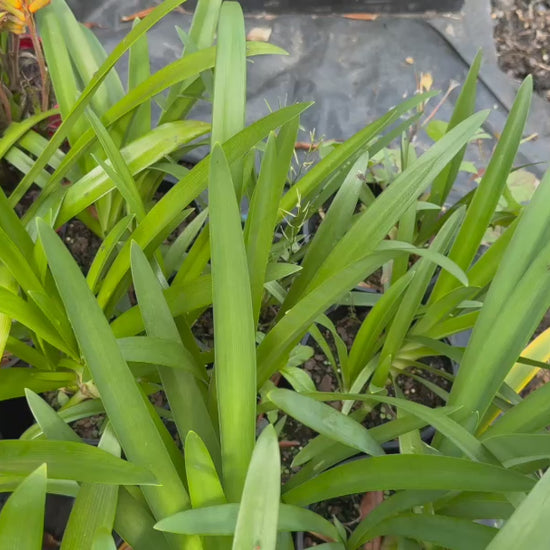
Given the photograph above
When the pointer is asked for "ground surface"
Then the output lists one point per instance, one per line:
(522, 36)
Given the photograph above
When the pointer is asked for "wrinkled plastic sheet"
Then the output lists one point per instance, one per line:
(354, 70)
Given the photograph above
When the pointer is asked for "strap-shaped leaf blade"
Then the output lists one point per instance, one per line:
(93, 512)
(14, 381)
(235, 341)
(148, 232)
(222, 519)
(22, 517)
(138, 156)
(528, 525)
(263, 211)
(326, 420)
(452, 533)
(375, 223)
(259, 510)
(337, 159)
(159, 81)
(70, 460)
(490, 189)
(393, 472)
(88, 93)
(51, 424)
(122, 398)
(186, 392)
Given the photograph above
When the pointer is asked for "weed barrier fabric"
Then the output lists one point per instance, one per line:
(354, 70)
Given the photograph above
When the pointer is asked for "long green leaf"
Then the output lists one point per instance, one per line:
(14, 381)
(366, 340)
(159, 351)
(88, 93)
(275, 348)
(51, 424)
(259, 510)
(326, 420)
(337, 159)
(235, 353)
(93, 512)
(222, 519)
(22, 517)
(117, 169)
(515, 449)
(442, 185)
(11, 224)
(528, 525)
(186, 395)
(514, 305)
(148, 232)
(393, 472)
(229, 103)
(375, 223)
(154, 85)
(17, 130)
(134, 523)
(119, 392)
(263, 210)
(476, 506)
(451, 533)
(201, 35)
(437, 418)
(106, 252)
(29, 315)
(139, 70)
(70, 460)
(176, 255)
(487, 195)
(205, 488)
(332, 228)
(138, 156)
(412, 299)
(401, 501)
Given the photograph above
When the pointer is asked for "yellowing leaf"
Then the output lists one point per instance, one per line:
(426, 82)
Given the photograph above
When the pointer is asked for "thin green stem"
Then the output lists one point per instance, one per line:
(41, 62)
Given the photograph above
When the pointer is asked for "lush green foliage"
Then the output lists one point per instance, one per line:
(126, 330)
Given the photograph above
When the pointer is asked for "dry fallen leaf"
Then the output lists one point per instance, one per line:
(259, 34)
(409, 60)
(305, 146)
(138, 15)
(426, 82)
(288, 444)
(361, 16)
(92, 25)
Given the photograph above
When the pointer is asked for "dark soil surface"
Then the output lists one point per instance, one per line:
(82, 243)
(347, 322)
(522, 36)
(349, 510)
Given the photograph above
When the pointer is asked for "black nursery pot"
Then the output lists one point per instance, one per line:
(15, 418)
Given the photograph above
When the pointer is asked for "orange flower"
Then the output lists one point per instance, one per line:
(37, 4)
(14, 14)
